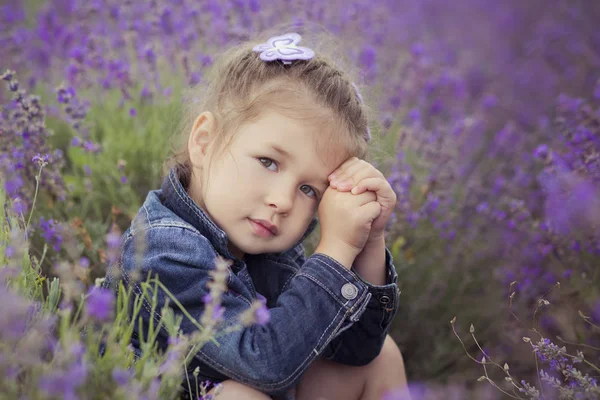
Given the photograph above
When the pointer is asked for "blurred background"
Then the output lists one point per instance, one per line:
(486, 119)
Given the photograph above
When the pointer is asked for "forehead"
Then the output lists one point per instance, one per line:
(309, 140)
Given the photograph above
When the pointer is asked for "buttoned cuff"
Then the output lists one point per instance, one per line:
(342, 284)
(384, 296)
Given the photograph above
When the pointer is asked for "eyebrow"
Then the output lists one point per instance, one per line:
(281, 151)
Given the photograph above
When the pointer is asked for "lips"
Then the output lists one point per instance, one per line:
(266, 225)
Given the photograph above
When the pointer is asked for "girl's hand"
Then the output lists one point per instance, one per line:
(346, 221)
(358, 176)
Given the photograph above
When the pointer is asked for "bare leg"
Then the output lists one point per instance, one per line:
(385, 372)
(327, 380)
(233, 390)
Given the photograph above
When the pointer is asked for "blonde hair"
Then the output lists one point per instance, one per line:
(240, 86)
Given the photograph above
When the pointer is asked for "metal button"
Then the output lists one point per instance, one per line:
(384, 299)
(349, 291)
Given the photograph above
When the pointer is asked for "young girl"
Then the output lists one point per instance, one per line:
(279, 139)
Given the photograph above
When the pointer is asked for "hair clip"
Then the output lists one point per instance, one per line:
(284, 48)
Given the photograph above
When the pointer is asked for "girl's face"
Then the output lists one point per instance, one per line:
(264, 189)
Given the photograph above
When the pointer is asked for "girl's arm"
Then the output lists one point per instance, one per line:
(361, 343)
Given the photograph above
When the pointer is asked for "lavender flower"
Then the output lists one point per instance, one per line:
(99, 304)
(51, 232)
(121, 376)
(65, 383)
(23, 121)
(258, 313)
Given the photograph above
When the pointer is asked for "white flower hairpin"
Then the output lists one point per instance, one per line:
(284, 48)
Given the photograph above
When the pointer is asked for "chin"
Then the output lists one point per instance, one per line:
(255, 250)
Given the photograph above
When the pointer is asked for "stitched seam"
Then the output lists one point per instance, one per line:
(319, 283)
(334, 332)
(362, 298)
(331, 323)
(335, 270)
(147, 215)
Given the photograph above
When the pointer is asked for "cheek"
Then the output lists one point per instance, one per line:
(304, 216)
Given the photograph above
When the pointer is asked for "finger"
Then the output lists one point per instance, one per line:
(360, 174)
(355, 173)
(380, 186)
(371, 210)
(340, 170)
(363, 198)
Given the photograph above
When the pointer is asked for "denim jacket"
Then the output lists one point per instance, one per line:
(317, 306)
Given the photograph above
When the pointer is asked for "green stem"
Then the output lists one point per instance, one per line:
(37, 186)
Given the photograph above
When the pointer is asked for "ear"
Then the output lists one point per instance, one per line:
(200, 136)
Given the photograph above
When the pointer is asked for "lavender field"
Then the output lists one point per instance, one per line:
(486, 121)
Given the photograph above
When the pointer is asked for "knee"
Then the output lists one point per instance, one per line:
(235, 390)
(390, 356)
(387, 372)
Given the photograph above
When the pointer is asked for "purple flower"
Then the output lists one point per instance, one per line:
(490, 101)
(414, 115)
(51, 232)
(64, 95)
(113, 241)
(65, 383)
(99, 304)
(482, 208)
(12, 185)
(262, 315)
(218, 312)
(542, 152)
(91, 146)
(367, 57)
(19, 207)
(9, 252)
(417, 49)
(254, 5)
(121, 376)
(41, 160)
(84, 262)
(132, 112)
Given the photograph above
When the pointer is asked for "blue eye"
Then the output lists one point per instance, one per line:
(307, 190)
(267, 163)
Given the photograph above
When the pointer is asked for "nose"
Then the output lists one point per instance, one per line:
(281, 198)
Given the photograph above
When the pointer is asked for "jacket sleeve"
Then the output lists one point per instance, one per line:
(322, 299)
(362, 342)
